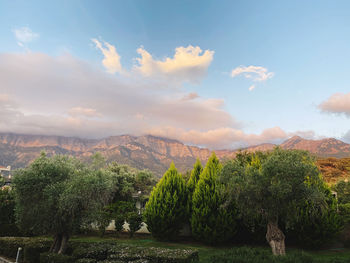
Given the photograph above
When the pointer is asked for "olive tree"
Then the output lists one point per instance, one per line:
(273, 185)
(55, 195)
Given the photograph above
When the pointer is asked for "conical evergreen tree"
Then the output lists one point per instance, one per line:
(192, 182)
(166, 210)
(194, 178)
(211, 221)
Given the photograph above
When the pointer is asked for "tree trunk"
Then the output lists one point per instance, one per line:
(275, 238)
(64, 244)
(56, 244)
(53, 244)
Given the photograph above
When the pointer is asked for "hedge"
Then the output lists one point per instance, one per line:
(36, 250)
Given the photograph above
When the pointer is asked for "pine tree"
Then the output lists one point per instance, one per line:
(166, 210)
(212, 219)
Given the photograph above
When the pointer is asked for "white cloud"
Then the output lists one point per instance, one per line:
(255, 73)
(337, 103)
(188, 64)
(111, 60)
(67, 96)
(24, 35)
(252, 87)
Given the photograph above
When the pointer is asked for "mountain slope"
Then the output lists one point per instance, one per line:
(150, 152)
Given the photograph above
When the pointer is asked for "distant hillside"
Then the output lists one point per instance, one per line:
(143, 152)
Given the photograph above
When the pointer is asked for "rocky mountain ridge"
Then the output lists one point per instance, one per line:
(150, 152)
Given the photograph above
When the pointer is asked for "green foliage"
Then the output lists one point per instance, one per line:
(131, 181)
(342, 189)
(54, 195)
(111, 252)
(315, 228)
(213, 219)
(194, 178)
(259, 255)
(55, 258)
(166, 210)
(135, 222)
(32, 247)
(8, 225)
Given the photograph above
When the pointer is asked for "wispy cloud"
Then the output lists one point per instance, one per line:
(337, 103)
(255, 73)
(111, 60)
(24, 35)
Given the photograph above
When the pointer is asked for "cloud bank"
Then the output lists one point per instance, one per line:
(64, 95)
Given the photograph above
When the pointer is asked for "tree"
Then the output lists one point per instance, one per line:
(211, 221)
(7, 213)
(166, 210)
(273, 185)
(194, 177)
(313, 227)
(54, 195)
(135, 222)
(342, 189)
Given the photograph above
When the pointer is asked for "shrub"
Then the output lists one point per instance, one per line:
(256, 255)
(212, 219)
(7, 213)
(31, 247)
(153, 254)
(166, 210)
(316, 229)
(55, 258)
(97, 250)
(135, 222)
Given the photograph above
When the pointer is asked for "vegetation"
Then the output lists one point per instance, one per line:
(334, 169)
(211, 220)
(166, 210)
(273, 185)
(56, 195)
(254, 196)
(8, 225)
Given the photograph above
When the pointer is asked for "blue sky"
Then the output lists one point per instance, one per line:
(291, 61)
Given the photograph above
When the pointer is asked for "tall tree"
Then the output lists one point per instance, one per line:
(166, 210)
(211, 220)
(53, 195)
(273, 185)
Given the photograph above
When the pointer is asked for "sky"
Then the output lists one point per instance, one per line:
(217, 74)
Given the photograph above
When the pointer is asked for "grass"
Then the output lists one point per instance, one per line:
(206, 252)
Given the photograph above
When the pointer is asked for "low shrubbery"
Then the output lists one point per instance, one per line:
(260, 255)
(35, 251)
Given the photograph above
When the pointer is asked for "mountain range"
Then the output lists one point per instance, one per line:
(143, 152)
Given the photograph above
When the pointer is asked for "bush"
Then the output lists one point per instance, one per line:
(166, 210)
(256, 255)
(97, 250)
(153, 254)
(317, 229)
(135, 222)
(109, 252)
(8, 225)
(55, 258)
(31, 247)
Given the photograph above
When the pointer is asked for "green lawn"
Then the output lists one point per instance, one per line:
(205, 252)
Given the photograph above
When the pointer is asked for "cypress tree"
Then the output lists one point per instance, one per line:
(166, 210)
(212, 220)
(194, 178)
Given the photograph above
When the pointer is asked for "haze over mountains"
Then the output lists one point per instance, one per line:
(143, 152)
